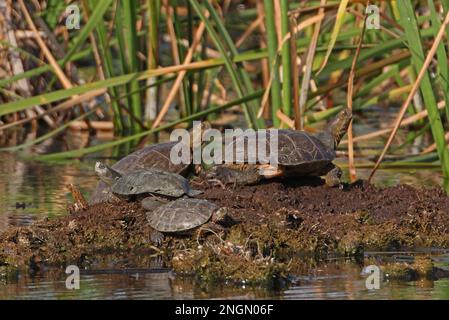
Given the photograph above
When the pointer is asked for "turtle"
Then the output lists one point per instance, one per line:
(186, 216)
(154, 156)
(153, 182)
(299, 154)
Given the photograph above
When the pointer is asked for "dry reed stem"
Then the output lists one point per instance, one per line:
(181, 74)
(251, 28)
(409, 120)
(285, 119)
(433, 146)
(60, 107)
(308, 68)
(48, 55)
(287, 37)
(351, 164)
(415, 87)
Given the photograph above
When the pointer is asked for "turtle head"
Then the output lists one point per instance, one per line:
(101, 169)
(339, 126)
(106, 173)
(220, 215)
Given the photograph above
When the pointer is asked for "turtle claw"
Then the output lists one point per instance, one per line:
(157, 238)
(217, 182)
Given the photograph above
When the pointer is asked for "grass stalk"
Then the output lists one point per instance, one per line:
(240, 69)
(107, 63)
(151, 101)
(272, 45)
(443, 69)
(130, 37)
(286, 61)
(408, 20)
(134, 137)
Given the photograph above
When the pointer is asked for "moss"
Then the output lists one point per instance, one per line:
(273, 223)
(228, 262)
(421, 268)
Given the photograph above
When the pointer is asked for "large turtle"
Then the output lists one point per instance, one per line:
(153, 182)
(299, 154)
(154, 156)
(185, 216)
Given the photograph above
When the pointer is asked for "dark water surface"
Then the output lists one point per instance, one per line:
(344, 282)
(30, 191)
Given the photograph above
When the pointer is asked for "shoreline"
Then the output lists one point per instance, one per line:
(275, 226)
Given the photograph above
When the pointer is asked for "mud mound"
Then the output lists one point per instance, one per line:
(314, 199)
(273, 221)
(80, 239)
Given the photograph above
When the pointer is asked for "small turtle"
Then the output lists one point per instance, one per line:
(141, 182)
(184, 217)
(155, 156)
(299, 154)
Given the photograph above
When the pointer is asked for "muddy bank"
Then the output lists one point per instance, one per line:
(275, 226)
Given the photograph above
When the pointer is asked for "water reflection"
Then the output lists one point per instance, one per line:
(328, 280)
(31, 190)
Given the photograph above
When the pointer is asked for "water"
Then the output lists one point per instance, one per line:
(40, 187)
(339, 280)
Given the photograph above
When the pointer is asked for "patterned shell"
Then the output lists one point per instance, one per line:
(154, 156)
(152, 181)
(181, 215)
(294, 148)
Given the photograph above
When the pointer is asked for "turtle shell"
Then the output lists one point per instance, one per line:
(298, 151)
(153, 181)
(181, 215)
(151, 203)
(154, 156)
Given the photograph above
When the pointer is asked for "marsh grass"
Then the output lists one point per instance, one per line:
(138, 49)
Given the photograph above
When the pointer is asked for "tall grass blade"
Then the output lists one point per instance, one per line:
(250, 113)
(409, 22)
(341, 13)
(286, 61)
(272, 46)
(443, 67)
(131, 49)
(106, 56)
(107, 145)
(240, 69)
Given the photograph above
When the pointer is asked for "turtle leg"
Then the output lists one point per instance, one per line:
(234, 176)
(156, 237)
(333, 177)
(211, 227)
